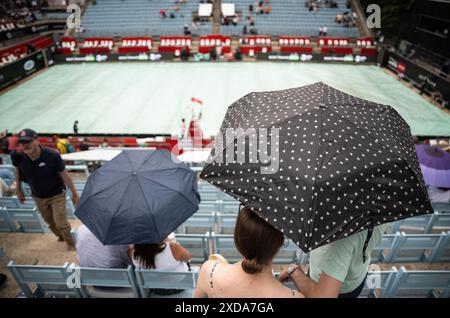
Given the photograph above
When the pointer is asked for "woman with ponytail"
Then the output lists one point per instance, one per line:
(252, 277)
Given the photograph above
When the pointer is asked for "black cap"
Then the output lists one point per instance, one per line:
(27, 135)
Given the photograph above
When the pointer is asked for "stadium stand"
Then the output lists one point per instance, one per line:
(51, 281)
(291, 18)
(109, 18)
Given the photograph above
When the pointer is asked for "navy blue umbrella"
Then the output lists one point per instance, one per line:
(140, 196)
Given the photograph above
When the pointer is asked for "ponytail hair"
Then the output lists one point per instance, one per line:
(256, 240)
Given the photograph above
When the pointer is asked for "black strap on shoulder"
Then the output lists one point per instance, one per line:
(366, 243)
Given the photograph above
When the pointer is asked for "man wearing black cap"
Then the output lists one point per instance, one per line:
(44, 170)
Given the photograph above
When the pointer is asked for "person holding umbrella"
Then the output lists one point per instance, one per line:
(44, 170)
(258, 242)
(339, 167)
(336, 269)
(139, 197)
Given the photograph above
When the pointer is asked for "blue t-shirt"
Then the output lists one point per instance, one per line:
(43, 174)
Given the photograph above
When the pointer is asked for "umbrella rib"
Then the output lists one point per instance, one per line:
(123, 195)
(148, 207)
(316, 198)
(149, 157)
(165, 186)
(99, 191)
(375, 141)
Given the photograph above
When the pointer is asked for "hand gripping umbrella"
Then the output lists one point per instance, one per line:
(337, 164)
(138, 197)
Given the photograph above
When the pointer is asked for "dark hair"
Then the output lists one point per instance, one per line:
(256, 240)
(147, 252)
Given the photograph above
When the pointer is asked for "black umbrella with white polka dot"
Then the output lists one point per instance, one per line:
(318, 164)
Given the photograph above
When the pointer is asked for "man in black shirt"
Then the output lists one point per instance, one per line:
(44, 170)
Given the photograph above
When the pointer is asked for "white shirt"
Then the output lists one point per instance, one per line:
(164, 261)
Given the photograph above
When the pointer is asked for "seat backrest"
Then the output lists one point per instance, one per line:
(50, 280)
(441, 253)
(150, 278)
(199, 222)
(108, 277)
(408, 248)
(226, 222)
(378, 283)
(287, 254)
(6, 224)
(224, 244)
(9, 202)
(197, 244)
(420, 283)
(231, 207)
(208, 207)
(441, 207)
(29, 220)
(208, 195)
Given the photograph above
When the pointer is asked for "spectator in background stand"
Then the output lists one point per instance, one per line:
(4, 141)
(75, 127)
(250, 8)
(244, 29)
(235, 20)
(104, 143)
(320, 31)
(325, 30)
(84, 146)
(183, 128)
(267, 9)
(63, 145)
(162, 14)
(12, 143)
(423, 85)
(186, 30)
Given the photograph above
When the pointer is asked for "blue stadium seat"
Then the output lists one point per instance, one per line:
(28, 220)
(199, 223)
(414, 283)
(121, 283)
(197, 244)
(50, 281)
(6, 224)
(166, 280)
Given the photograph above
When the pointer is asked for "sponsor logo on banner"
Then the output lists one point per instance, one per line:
(345, 58)
(392, 63)
(140, 57)
(29, 65)
(101, 58)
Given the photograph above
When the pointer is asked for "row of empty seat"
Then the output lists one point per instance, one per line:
(51, 281)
